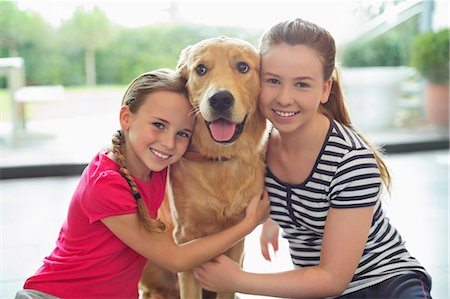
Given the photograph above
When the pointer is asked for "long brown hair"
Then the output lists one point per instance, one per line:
(139, 88)
(301, 32)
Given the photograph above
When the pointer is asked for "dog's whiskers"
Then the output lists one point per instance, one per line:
(194, 111)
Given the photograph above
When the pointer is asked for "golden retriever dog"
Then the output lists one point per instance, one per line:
(224, 165)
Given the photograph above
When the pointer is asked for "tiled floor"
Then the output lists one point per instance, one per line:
(32, 211)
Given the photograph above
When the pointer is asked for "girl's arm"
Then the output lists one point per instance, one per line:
(269, 235)
(161, 249)
(345, 236)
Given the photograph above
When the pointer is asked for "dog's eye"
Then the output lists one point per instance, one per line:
(201, 69)
(242, 67)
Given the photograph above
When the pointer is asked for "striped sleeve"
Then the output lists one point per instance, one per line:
(357, 180)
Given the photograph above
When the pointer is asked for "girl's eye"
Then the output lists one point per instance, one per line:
(242, 67)
(158, 125)
(184, 134)
(273, 81)
(201, 69)
(302, 85)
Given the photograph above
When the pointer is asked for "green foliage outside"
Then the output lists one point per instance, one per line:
(430, 55)
(392, 48)
(88, 49)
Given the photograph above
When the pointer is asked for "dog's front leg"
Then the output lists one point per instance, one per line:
(189, 286)
(237, 254)
(226, 296)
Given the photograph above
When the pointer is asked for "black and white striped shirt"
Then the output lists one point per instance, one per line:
(345, 176)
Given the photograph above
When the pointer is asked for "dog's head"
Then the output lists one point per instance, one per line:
(222, 77)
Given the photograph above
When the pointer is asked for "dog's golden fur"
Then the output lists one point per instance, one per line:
(221, 171)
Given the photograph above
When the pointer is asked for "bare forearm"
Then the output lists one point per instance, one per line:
(201, 250)
(161, 249)
(311, 282)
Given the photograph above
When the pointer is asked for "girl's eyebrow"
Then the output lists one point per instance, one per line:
(159, 119)
(270, 74)
(301, 78)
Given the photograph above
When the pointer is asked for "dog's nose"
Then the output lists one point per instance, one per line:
(221, 100)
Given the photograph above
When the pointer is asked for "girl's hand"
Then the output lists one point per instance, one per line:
(269, 234)
(258, 209)
(219, 275)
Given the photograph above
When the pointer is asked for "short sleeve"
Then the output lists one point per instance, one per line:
(357, 180)
(107, 194)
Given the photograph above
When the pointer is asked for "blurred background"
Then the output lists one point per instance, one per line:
(64, 66)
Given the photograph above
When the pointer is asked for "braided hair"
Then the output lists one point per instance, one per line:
(139, 88)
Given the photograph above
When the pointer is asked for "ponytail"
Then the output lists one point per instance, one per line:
(335, 108)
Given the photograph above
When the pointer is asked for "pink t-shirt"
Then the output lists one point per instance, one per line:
(89, 261)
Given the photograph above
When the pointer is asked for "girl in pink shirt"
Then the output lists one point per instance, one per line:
(111, 228)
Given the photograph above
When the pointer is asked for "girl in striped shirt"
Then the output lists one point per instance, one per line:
(324, 181)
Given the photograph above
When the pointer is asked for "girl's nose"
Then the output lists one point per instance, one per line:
(285, 97)
(168, 141)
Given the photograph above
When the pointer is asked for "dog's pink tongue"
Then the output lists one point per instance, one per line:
(222, 130)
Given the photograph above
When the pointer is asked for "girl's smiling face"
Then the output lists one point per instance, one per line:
(158, 134)
(292, 86)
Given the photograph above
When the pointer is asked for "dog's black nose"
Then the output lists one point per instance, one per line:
(221, 101)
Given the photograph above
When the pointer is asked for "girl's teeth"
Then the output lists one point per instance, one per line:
(160, 155)
(285, 114)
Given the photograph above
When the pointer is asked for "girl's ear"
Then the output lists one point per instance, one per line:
(124, 117)
(326, 91)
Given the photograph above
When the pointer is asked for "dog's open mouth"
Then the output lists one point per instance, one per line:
(224, 131)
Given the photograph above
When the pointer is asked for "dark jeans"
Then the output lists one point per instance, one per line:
(406, 286)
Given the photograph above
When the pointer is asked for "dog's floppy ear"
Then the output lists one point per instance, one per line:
(182, 67)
